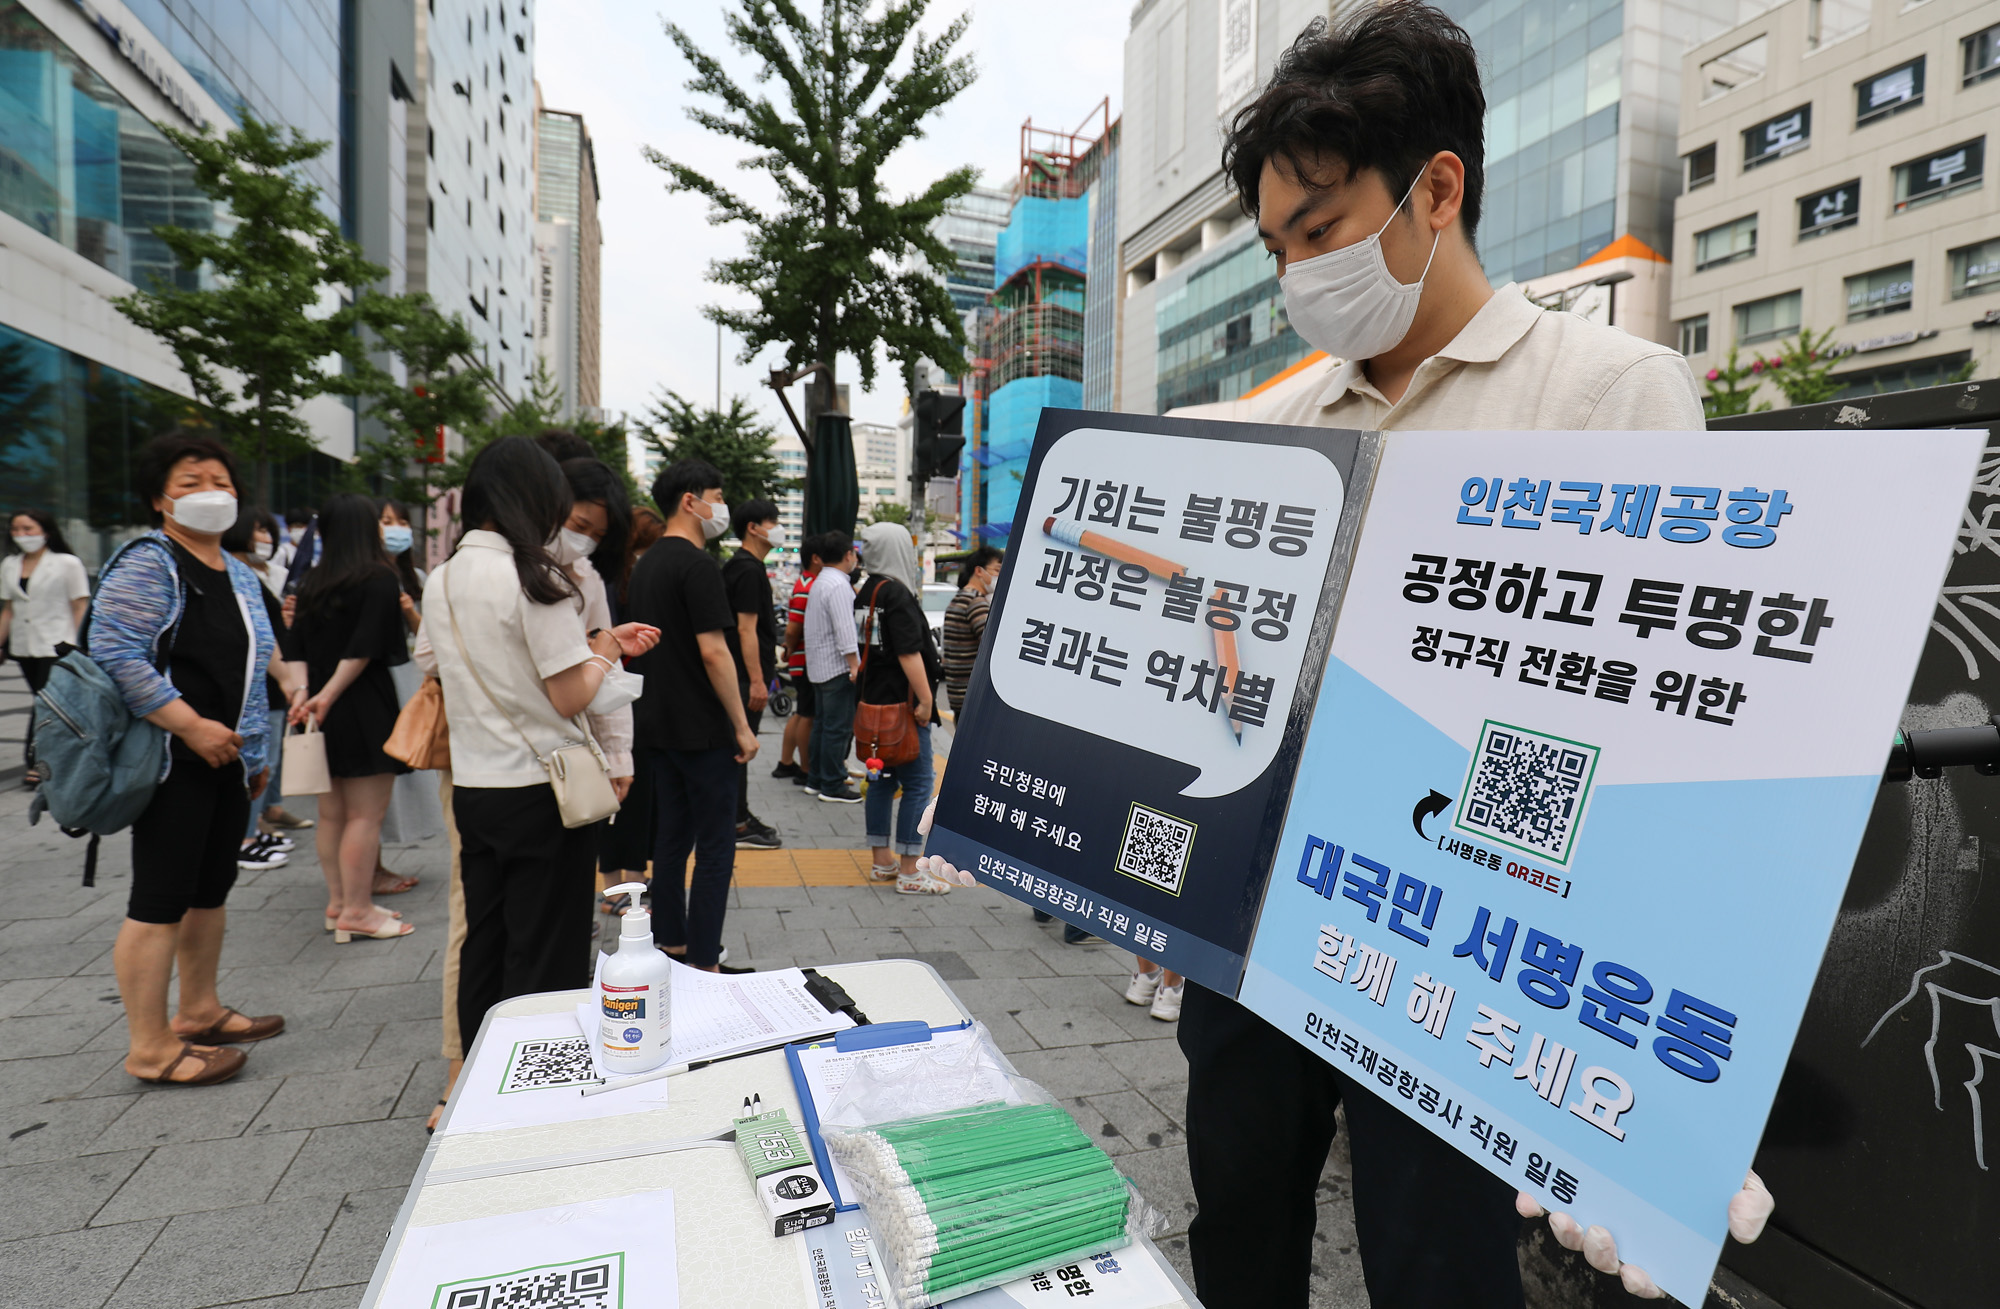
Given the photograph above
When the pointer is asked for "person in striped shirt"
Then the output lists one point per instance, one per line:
(965, 620)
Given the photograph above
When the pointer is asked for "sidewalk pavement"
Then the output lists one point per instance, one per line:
(278, 1188)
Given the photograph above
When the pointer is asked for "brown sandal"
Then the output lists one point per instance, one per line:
(260, 1029)
(398, 882)
(216, 1066)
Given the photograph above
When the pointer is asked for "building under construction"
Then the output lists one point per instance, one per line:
(1031, 351)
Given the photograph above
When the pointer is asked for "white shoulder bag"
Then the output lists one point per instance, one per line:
(578, 772)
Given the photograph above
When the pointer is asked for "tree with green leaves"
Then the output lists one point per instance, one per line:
(829, 267)
(446, 387)
(1726, 392)
(250, 333)
(531, 415)
(735, 440)
(1802, 369)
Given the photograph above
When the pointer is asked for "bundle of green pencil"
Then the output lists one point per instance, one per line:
(970, 1199)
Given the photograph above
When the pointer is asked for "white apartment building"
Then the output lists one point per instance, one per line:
(790, 452)
(1835, 159)
(477, 175)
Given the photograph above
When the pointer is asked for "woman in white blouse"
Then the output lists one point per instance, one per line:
(44, 591)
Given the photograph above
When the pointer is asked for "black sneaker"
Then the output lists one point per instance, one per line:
(788, 770)
(258, 856)
(725, 968)
(842, 794)
(802, 778)
(754, 835)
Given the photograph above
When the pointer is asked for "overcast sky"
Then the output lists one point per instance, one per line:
(611, 61)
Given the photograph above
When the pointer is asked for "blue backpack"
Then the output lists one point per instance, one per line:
(99, 764)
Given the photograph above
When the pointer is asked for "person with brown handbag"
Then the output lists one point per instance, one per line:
(900, 671)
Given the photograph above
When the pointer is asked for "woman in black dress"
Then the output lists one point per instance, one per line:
(349, 626)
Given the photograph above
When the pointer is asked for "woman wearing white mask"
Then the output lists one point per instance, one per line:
(350, 630)
(43, 594)
(415, 812)
(181, 628)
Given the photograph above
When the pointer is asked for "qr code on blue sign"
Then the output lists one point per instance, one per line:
(556, 1061)
(594, 1283)
(1527, 790)
(1155, 849)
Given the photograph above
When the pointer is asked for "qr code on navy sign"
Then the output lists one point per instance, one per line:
(1527, 790)
(594, 1283)
(539, 1065)
(1155, 849)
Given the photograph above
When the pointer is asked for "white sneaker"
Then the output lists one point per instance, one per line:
(884, 872)
(1167, 1004)
(1142, 988)
(921, 883)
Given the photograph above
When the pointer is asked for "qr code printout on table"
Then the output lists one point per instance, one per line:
(593, 1283)
(1527, 790)
(549, 1062)
(1155, 849)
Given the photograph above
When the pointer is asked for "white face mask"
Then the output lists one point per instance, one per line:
(775, 534)
(263, 549)
(570, 546)
(208, 512)
(618, 689)
(1347, 302)
(27, 545)
(717, 521)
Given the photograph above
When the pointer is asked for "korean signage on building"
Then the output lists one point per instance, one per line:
(1831, 209)
(1544, 845)
(1773, 138)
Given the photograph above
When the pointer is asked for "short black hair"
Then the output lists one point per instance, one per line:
(751, 511)
(564, 445)
(157, 461)
(832, 547)
(592, 481)
(1384, 91)
(975, 561)
(690, 476)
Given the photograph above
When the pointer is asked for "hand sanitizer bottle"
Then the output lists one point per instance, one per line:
(634, 994)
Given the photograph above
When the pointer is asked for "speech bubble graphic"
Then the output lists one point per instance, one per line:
(1164, 594)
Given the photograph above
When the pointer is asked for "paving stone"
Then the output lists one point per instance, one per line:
(41, 961)
(1148, 1063)
(182, 1179)
(62, 1194)
(228, 1255)
(343, 1297)
(423, 1090)
(1132, 1122)
(51, 1034)
(325, 1099)
(773, 897)
(804, 945)
(167, 1115)
(869, 943)
(76, 1270)
(404, 1043)
(1005, 963)
(69, 995)
(1071, 1071)
(360, 1230)
(59, 1130)
(355, 1157)
(333, 1049)
(808, 917)
(1008, 1035)
(950, 965)
(931, 939)
(1169, 1100)
(18, 997)
(39, 931)
(387, 1004)
(383, 963)
(1060, 1027)
(985, 995)
(1162, 1177)
(1077, 992)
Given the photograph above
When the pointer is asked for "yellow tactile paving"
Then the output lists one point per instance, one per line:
(800, 867)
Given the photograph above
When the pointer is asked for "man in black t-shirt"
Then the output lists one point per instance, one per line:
(691, 716)
(753, 642)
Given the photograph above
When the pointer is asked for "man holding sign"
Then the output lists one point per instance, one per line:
(1362, 161)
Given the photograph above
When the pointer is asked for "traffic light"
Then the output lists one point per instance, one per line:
(940, 420)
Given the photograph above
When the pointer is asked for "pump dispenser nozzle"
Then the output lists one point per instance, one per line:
(637, 922)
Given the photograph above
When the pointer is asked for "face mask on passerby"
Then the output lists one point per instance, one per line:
(28, 545)
(1347, 302)
(396, 539)
(209, 512)
(717, 522)
(571, 545)
(775, 534)
(263, 550)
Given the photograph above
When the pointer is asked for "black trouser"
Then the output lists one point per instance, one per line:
(184, 844)
(36, 669)
(1436, 1230)
(756, 717)
(528, 890)
(695, 792)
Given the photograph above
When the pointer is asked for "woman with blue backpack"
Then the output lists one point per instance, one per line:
(180, 627)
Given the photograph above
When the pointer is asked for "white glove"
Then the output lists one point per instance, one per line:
(1749, 1209)
(935, 864)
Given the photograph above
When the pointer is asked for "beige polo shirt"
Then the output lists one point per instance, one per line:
(1516, 367)
(515, 644)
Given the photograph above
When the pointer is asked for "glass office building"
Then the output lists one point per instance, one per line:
(1222, 326)
(1552, 72)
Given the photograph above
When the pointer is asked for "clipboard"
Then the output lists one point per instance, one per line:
(872, 1037)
